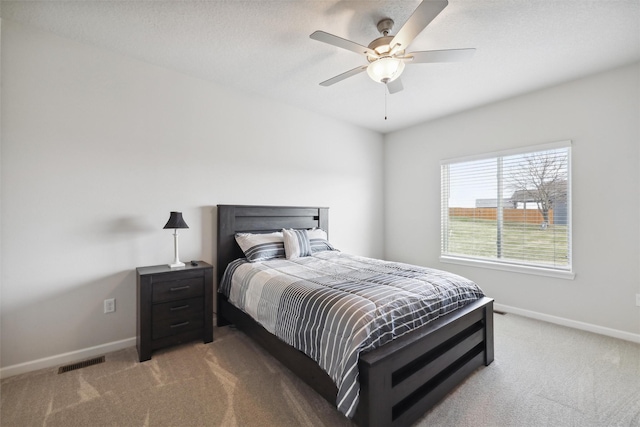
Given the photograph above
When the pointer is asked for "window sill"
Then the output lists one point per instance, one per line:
(514, 268)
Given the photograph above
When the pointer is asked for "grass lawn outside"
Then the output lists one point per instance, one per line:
(522, 242)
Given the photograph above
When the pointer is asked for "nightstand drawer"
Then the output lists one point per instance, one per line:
(177, 289)
(172, 326)
(177, 310)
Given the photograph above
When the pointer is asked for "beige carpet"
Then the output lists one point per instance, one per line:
(543, 375)
(230, 382)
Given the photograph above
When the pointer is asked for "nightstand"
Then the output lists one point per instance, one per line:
(174, 306)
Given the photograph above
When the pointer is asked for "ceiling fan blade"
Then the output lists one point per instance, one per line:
(325, 37)
(446, 55)
(343, 76)
(395, 86)
(419, 19)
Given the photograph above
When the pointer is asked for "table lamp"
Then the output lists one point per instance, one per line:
(175, 222)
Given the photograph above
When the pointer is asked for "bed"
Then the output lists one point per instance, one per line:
(398, 381)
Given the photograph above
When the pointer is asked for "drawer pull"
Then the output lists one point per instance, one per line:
(178, 325)
(182, 307)
(179, 288)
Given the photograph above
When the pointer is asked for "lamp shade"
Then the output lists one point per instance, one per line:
(176, 221)
(386, 69)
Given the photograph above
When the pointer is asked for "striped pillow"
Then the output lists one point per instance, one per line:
(261, 247)
(319, 242)
(296, 243)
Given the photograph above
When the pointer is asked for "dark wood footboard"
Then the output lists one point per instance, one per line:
(402, 379)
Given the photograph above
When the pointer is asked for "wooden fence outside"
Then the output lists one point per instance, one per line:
(528, 216)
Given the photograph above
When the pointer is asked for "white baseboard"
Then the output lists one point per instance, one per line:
(62, 359)
(86, 353)
(615, 333)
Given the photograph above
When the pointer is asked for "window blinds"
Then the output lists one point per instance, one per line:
(510, 207)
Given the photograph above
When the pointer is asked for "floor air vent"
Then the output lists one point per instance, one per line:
(83, 364)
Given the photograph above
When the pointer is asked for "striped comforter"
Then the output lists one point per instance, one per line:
(334, 306)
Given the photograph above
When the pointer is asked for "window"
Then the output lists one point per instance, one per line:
(509, 210)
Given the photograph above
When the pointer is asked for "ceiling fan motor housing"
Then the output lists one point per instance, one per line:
(382, 48)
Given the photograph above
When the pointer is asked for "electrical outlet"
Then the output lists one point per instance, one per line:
(109, 305)
(638, 300)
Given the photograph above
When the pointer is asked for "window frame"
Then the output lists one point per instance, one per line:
(506, 265)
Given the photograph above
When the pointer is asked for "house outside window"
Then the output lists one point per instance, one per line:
(509, 210)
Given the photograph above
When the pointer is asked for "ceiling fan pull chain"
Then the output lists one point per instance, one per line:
(385, 102)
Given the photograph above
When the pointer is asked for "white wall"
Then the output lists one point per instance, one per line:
(98, 148)
(600, 114)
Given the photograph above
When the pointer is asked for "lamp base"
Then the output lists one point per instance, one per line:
(176, 265)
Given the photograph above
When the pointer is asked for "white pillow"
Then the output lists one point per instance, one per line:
(317, 233)
(296, 243)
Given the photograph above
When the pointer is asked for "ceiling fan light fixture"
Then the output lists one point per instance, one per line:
(385, 70)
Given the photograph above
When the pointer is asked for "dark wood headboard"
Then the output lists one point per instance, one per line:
(234, 219)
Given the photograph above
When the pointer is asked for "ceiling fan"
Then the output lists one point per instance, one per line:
(387, 54)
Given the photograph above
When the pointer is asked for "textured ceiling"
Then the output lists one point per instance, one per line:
(263, 47)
